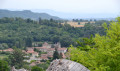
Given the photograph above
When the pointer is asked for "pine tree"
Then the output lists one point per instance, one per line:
(56, 55)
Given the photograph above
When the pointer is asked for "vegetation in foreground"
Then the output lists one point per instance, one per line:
(101, 53)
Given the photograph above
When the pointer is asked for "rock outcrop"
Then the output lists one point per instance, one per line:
(13, 69)
(66, 65)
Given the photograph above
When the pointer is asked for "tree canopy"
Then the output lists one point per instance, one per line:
(23, 32)
(16, 58)
(104, 55)
(36, 68)
(4, 66)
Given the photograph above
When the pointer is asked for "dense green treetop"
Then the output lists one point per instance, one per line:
(104, 54)
(36, 68)
(16, 58)
(4, 66)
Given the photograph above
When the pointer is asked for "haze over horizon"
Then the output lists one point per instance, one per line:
(67, 8)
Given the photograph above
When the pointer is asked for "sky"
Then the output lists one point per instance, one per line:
(75, 7)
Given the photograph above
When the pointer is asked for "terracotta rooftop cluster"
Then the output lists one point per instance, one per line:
(8, 50)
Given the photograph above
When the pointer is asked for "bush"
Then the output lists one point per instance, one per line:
(36, 68)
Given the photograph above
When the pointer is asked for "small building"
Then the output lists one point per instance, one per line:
(50, 54)
(32, 64)
(47, 45)
(24, 51)
(8, 50)
(62, 50)
(44, 57)
(58, 45)
(30, 50)
(62, 55)
(51, 50)
(43, 49)
(35, 54)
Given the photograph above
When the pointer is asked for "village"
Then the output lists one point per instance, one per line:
(47, 50)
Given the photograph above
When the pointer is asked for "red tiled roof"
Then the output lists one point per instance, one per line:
(45, 58)
(8, 50)
(40, 47)
(62, 49)
(63, 55)
(45, 43)
(35, 53)
(44, 55)
(51, 49)
(32, 64)
(50, 55)
(30, 51)
(23, 51)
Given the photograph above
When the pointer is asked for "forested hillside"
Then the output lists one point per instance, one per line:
(23, 32)
(26, 14)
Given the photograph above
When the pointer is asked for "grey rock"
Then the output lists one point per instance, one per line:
(66, 65)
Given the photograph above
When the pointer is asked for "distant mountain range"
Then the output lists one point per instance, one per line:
(82, 15)
(26, 14)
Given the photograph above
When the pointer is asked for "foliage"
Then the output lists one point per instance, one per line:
(23, 32)
(104, 55)
(4, 66)
(2, 56)
(16, 58)
(36, 68)
(32, 61)
(56, 55)
(44, 65)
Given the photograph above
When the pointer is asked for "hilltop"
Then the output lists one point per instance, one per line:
(26, 14)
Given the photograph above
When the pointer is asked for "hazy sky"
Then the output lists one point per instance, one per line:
(68, 6)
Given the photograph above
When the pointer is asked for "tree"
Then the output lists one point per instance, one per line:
(29, 42)
(36, 68)
(105, 54)
(16, 58)
(56, 55)
(51, 20)
(40, 20)
(55, 39)
(4, 66)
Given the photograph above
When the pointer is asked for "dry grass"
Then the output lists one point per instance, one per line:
(75, 24)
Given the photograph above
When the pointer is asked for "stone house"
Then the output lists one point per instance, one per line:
(30, 50)
(44, 57)
(51, 50)
(50, 54)
(62, 50)
(47, 45)
(35, 54)
(43, 49)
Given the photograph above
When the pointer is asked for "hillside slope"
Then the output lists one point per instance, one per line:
(26, 14)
